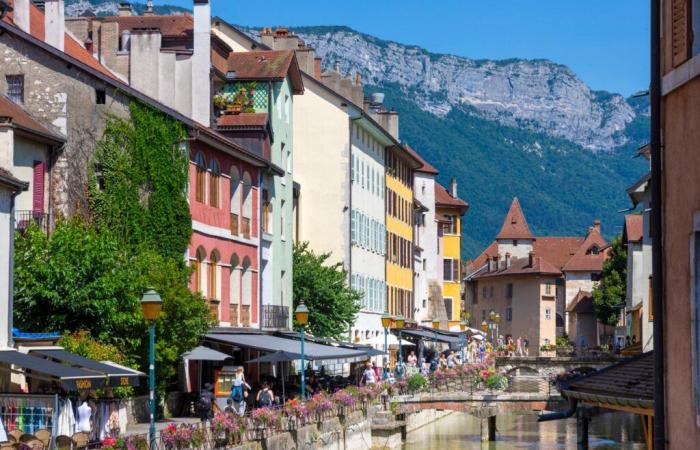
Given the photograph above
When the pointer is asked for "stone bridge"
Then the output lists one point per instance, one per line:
(545, 367)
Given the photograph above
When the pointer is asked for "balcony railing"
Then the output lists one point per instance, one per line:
(234, 224)
(275, 316)
(245, 227)
(245, 315)
(23, 219)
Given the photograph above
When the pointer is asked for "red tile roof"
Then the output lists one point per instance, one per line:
(557, 250)
(443, 199)
(242, 120)
(426, 167)
(22, 120)
(582, 303)
(266, 65)
(7, 179)
(515, 226)
(70, 45)
(634, 228)
(174, 25)
(586, 260)
(522, 266)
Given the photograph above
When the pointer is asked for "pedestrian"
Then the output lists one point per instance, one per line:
(376, 371)
(368, 376)
(238, 395)
(442, 362)
(265, 397)
(424, 367)
(451, 360)
(205, 404)
(526, 346)
(412, 359)
(519, 346)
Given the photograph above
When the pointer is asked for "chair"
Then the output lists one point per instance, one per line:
(8, 446)
(44, 436)
(64, 442)
(16, 434)
(31, 442)
(80, 440)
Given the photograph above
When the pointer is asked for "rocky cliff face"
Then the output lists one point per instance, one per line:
(111, 8)
(535, 94)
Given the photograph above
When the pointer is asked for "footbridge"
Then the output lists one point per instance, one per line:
(548, 367)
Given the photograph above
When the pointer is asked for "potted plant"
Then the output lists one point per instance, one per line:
(548, 350)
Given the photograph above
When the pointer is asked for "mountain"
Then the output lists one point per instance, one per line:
(111, 8)
(522, 128)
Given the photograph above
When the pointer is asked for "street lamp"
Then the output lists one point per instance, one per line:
(462, 328)
(386, 323)
(399, 323)
(497, 321)
(151, 304)
(301, 314)
(467, 317)
(484, 326)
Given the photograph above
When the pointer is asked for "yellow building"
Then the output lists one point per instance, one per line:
(399, 230)
(449, 209)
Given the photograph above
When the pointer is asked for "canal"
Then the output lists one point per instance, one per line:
(522, 431)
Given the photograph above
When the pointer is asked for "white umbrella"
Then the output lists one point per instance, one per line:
(378, 341)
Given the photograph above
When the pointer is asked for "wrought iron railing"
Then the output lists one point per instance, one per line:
(275, 316)
(23, 219)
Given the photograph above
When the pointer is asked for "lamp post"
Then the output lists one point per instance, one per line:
(497, 321)
(463, 328)
(492, 319)
(484, 326)
(151, 304)
(301, 314)
(386, 323)
(399, 323)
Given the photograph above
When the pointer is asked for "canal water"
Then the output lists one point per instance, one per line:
(522, 431)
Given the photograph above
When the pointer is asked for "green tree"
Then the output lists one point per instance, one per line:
(333, 305)
(139, 192)
(610, 293)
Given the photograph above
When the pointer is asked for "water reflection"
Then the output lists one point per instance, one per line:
(460, 431)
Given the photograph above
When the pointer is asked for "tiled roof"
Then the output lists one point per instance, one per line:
(515, 226)
(7, 179)
(174, 25)
(557, 249)
(242, 120)
(634, 228)
(521, 266)
(629, 384)
(444, 199)
(426, 167)
(582, 303)
(70, 45)
(23, 120)
(266, 65)
(586, 260)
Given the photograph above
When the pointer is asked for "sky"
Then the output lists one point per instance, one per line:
(605, 42)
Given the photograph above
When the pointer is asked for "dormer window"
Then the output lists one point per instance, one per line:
(594, 250)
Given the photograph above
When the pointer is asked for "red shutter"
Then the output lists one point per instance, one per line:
(38, 186)
(680, 31)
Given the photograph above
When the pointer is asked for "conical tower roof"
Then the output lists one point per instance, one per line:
(515, 226)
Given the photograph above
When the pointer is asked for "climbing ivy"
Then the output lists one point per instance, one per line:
(138, 189)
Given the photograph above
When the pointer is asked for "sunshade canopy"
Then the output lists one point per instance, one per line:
(280, 356)
(312, 350)
(118, 376)
(432, 336)
(71, 378)
(203, 353)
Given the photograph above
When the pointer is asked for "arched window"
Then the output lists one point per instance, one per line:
(214, 177)
(246, 291)
(200, 257)
(235, 200)
(213, 275)
(200, 182)
(247, 212)
(235, 289)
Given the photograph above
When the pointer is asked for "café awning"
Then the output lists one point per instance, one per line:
(117, 376)
(71, 378)
(312, 351)
(431, 336)
(203, 353)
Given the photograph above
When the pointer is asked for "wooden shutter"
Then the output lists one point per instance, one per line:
(38, 186)
(680, 31)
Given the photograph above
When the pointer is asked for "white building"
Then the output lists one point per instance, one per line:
(427, 260)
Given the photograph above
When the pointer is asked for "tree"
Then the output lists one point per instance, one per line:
(333, 305)
(609, 295)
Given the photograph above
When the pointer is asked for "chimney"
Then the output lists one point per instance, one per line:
(337, 67)
(596, 225)
(358, 79)
(21, 15)
(54, 23)
(453, 187)
(149, 8)
(317, 68)
(124, 9)
(507, 260)
(488, 263)
(201, 63)
(531, 261)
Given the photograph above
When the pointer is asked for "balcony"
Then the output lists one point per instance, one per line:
(275, 316)
(234, 224)
(245, 315)
(23, 219)
(245, 227)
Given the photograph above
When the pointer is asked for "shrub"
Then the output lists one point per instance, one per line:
(416, 382)
(497, 382)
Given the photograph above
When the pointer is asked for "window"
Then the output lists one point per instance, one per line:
(651, 300)
(515, 242)
(448, 308)
(509, 290)
(287, 110)
(509, 314)
(282, 224)
(200, 182)
(213, 276)
(548, 288)
(353, 168)
(15, 88)
(353, 227)
(100, 96)
(548, 313)
(596, 276)
(483, 292)
(266, 211)
(215, 175)
(451, 226)
(450, 269)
